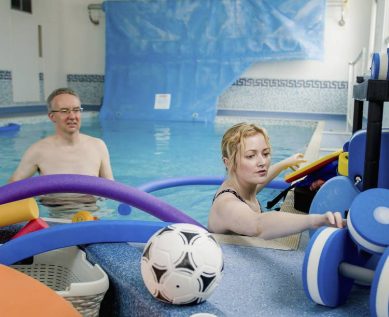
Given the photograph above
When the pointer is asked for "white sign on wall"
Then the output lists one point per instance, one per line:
(162, 101)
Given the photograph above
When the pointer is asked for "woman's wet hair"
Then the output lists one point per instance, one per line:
(232, 141)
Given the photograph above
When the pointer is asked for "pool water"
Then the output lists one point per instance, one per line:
(146, 151)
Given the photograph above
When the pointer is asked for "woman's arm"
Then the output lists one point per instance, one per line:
(228, 214)
(274, 170)
(278, 224)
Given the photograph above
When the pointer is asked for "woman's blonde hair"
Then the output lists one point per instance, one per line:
(232, 142)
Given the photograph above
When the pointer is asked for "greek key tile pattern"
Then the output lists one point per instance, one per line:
(286, 95)
(268, 122)
(290, 83)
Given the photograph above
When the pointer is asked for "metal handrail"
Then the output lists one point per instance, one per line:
(358, 58)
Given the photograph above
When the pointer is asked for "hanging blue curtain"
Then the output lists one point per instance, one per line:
(171, 59)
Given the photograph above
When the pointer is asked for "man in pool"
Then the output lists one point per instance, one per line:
(247, 154)
(67, 151)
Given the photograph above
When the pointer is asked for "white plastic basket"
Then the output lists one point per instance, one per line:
(72, 276)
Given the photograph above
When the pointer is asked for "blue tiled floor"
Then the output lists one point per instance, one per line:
(256, 282)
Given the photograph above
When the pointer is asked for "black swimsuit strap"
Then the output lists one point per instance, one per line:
(229, 191)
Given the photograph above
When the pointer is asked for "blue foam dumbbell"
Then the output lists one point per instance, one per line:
(368, 220)
(336, 194)
(330, 263)
(379, 292)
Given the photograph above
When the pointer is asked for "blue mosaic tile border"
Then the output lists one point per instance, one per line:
(291, 83)
(5, 75)
(41, 87)
(6, 92)
(85, 78)
(89, 87)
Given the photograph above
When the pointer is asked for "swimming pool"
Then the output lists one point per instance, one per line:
(145, 151)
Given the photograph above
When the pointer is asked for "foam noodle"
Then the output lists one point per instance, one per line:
(31, 226)
(152, 186)
(277, 183)
(86, 232)
(18, 211)
(71, 183)
(181, 181)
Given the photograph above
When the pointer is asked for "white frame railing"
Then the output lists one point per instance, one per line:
(355, 67)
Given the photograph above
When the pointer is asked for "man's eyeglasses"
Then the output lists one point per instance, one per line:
(68, 111)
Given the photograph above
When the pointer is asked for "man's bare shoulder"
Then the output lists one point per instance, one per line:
(43, 143)
(91, 139)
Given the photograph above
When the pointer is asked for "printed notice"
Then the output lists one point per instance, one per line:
(162, 101)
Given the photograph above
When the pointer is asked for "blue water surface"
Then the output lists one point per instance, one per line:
(144, 151)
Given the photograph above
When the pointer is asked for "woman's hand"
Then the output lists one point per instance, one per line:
(294, 161)
(332, 219)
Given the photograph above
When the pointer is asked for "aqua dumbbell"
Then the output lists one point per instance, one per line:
(379, 292)
(368, 220)
(331, 264)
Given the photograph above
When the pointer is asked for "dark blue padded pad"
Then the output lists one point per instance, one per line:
(336, 194)
(357, 158)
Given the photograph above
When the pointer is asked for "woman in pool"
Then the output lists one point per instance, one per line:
(246, 154)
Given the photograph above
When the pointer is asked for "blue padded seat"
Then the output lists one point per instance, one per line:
(357, 158)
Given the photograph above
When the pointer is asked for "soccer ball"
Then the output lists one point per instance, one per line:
(182, 264)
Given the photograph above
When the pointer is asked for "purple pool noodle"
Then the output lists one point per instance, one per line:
(277, 183)
(71, 183)
(181, 181)
(159, 184)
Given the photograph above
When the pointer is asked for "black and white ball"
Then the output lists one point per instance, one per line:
(182, 264)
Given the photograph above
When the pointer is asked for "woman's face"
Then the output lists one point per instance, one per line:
(253, 159)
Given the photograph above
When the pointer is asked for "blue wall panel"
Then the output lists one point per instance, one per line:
(194, 50)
